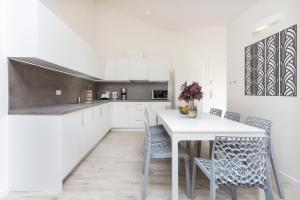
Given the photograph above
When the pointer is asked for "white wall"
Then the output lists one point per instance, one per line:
(3, 104)
(283, 111)
(194, 48)
(80, 15)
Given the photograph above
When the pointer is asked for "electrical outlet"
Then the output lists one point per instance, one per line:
(58, 92)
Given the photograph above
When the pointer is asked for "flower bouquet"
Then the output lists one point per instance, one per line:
(190, 93)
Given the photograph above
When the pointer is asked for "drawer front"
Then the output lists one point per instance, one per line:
(136, 123)
(136, 110)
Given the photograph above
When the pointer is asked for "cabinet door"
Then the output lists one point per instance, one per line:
(123, 69)
(87, 130)
(71, 142)
(100, 124)
(158, 70)
(110, 115)
(120, 115)
(136, 114)
(111, 69)
(138, 69)
(107, 116)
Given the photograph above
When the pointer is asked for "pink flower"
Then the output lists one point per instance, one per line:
(191, 92)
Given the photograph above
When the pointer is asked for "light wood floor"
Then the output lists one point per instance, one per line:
(113, 171)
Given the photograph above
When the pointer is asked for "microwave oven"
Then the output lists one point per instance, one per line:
(160, 94)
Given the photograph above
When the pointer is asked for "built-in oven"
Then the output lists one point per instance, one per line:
(159, 94)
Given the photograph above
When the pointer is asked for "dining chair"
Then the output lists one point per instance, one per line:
(232, 116)
(236, 162)
(228, 115)
(162, 150)
(158, 132)
(267, 125)
(216, 112)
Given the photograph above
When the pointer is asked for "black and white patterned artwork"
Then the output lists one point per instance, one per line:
(288, 61)
(271, 65)
(258, 69)
(255, 69)
(248, 67)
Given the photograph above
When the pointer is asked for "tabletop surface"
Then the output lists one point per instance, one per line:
(204, 123)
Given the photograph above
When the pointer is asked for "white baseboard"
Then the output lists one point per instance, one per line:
(290, 179)
(127, 129)
(4, 191)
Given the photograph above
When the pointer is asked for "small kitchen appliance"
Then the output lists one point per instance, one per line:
(115, 95)
(160, 94)
(105, 95)
(123, 93)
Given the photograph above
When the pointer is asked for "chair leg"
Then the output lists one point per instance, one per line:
(187, 176)
(268, 195)
(211, 144)
(144, 164)
(194, 180)
(268, 191)
(233, 194)
(199, 144)
(213, 190)
(146, 174)
(275, 172)
(188, 147)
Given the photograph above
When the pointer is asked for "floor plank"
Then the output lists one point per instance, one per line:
(113, 171)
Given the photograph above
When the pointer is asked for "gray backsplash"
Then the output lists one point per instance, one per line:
(31, 86)
(135, 90)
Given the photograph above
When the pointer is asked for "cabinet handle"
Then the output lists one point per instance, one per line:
(139, 120)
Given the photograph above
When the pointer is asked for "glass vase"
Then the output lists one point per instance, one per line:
(192, 113)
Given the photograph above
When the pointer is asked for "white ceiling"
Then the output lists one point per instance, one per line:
(179, 14)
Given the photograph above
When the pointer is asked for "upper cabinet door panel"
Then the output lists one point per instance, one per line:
(34, 31)
(117, 69)
(123, 69)
(59, 44)
(111, 69)
(159, 70)
(138, 69)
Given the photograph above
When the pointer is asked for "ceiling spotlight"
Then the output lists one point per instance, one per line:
(147, 12)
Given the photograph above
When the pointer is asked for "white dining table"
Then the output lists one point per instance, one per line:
(203, 128)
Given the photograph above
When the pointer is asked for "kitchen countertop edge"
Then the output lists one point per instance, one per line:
(63, 109)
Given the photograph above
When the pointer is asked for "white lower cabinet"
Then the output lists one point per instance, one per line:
(82, 130)
(131, 114)
(72, 148)
(120, 115)
(48, 147)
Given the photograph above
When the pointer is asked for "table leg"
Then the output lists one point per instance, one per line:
(174, 169)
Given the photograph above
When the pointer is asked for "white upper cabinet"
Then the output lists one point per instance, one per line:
(117, 69)
(111, 69)
(123, 69)
(35, 32)
(159, 70)
(138, 69)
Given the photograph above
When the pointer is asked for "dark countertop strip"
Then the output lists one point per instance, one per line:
(68, 108)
